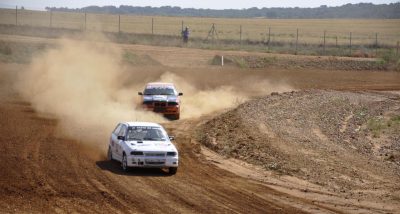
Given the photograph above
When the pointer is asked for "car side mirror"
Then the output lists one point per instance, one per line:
(140, 93)
(171, 138)
(121, 137)
(180, 94)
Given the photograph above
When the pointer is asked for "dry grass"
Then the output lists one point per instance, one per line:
(282, 30)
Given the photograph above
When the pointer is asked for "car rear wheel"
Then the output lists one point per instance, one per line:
(124, 163)
(109, 154)
(172, 170)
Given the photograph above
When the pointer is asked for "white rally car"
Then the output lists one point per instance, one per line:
(142, 144)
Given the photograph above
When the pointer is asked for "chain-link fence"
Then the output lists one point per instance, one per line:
(364, 38)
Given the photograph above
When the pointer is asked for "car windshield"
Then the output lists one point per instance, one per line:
(139, 133)
(159, 91)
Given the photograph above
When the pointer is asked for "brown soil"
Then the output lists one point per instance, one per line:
(43, 172)
(345, 142)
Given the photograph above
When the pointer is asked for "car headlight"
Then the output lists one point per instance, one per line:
(171, 153)
(136, 153)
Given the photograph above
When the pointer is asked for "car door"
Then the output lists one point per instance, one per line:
(114, 140)
(119, 145)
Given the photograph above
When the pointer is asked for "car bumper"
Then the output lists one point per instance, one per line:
(152, 162)
(170, 110)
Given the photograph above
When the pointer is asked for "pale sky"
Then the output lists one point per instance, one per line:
(212, 4)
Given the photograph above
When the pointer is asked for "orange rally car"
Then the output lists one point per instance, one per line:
(162, 98)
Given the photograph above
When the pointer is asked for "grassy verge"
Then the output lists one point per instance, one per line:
(389, 60)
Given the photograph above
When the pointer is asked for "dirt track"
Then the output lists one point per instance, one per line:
(41, 172)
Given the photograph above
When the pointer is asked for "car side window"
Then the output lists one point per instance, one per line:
(117, 129)
(122, 132)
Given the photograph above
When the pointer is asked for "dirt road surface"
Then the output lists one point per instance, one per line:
(44, 172)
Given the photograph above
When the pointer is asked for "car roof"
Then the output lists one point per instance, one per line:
(142, 124)
(160, 84)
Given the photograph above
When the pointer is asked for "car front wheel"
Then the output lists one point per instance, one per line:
(124, 163)
(172, 170)
(109, 154)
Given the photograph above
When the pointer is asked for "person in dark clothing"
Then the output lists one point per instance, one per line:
(185, 35)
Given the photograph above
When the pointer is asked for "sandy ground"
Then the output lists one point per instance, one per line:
(43, 171)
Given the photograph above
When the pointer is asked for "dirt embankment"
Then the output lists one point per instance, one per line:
(257, 61)
(348, 142)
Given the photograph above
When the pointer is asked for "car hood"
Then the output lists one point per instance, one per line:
(162, 98)
(152, 146)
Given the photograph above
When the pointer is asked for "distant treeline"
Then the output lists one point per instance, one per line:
(348, 11)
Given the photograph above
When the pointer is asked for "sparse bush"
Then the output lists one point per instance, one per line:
(394, 121)
(5, 48)
(376, 125)
(240, 62)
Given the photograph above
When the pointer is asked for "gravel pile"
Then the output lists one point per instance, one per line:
(343, 140)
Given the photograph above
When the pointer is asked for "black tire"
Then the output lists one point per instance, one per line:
(124, 163)
(177, 116)
(172, 170)
(109, 154)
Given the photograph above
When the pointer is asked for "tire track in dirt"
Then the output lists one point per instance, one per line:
(56, 174)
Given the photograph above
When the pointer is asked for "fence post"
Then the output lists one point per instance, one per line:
(152, 26)
(119, 23)
(376, 44)
(213, 27)
(182, 26)
(269, 37)
(397, 49)
(16, 15)
(297, 39)
(324, 40)
(51, 19)
(350, 44)
(240, 36)
(85, 20)
(336, 42)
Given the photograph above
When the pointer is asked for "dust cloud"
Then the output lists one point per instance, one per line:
(225, 94)
(79, 84)
(88, 88)
(196, 102)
